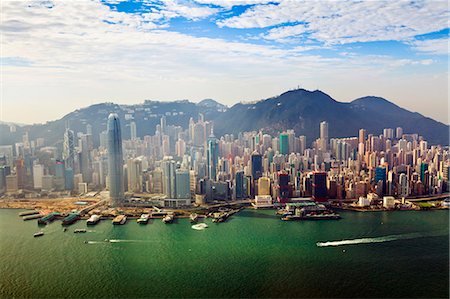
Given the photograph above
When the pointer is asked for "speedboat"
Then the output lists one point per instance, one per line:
(199, 226)
(38, 234)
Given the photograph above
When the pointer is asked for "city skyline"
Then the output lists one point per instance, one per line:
(126, 52)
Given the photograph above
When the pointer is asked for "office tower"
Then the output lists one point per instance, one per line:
(182, 179)
(239, 184)
(134, 175)
(163, 124)
(388, 133)
(157, 182)
(263, 186)
(69, 149)
(399, 132)
(4, 171)
(180, 147)
(380, 174)
(362, 136)
(88, 129)
(323, 141)
(38, 173)
(21, 173)
(86, 160)
(103, 136)
(403, 185)
(169, 182)
(133, 130)
(199, 134)
(284, 144)
(115, 160)
(11, 183)
(69, 177)
(423, 169)
(256, 163)
(319, 186)
(302, 139)
(58, 179)
(283, 188)
(213, 157)
(166, 145)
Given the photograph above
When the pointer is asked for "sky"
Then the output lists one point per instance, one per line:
(59, 56)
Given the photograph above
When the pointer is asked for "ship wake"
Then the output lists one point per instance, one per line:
(378, 239)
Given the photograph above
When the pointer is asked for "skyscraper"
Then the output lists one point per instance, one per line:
(69, 149)
(284, 144)
(115, 160)
(323, 136)
(256, 166)
(319, 186)
(213, 157)
(133, 130)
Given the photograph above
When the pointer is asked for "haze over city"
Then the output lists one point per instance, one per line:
(58, 56)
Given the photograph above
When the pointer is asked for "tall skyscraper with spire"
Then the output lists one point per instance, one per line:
(115, 160)
(69, 149)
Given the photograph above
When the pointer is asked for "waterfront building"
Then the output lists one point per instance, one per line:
(38, 173)
(115, 160)
(264, 186)
(169, 182)
(11, 183)
(182, 184)
(319, 186)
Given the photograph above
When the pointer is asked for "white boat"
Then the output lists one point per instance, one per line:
(38, 234)
(143, 219)
(199, 226)
(168, 218)
(94, 219)
(80, 230)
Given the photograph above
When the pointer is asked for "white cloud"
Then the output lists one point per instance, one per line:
(340, 22)
(73, 52)
(439, 46)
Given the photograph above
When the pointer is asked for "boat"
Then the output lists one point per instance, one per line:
(27, 213)
(71, 218)
(38, 234)
(65, 229)
(325, 216)
(31, 217)
(193, 217)
(119, 220)
(168, 218)
(199, 226)
(80, 230)
(94, 219)
(48, 218)
(143, 219)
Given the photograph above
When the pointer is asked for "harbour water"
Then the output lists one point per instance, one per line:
(253, 254)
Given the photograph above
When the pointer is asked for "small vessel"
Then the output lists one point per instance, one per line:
(119, 220)
(168, 218)
(193, 217)
(71, 218)
(199, 226)
(38, 234)
(48, 218)
(94, 219)
(143, 219)
(65, 229)
(80, 230)
(28, 213)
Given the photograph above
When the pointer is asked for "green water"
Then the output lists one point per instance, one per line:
(254, 254)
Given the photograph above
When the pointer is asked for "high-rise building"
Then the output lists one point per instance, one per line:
(163, 124)
(256, 166)
(182, 179)
(86, 159)
(263, 186)
(38, 173)
(239, 185)
(362, 136)
(319, 186)
(323, 136)
(68, 149)
(169, 181)
(403, 185)
(213, 157)
(284, 144)
(284, 189)
(133, 130)
(399, 132)
(115, 160)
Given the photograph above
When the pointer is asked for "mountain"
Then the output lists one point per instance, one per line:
(300, 109)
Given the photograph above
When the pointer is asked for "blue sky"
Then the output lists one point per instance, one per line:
(69, 54)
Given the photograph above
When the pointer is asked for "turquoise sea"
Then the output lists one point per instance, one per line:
(253, 254)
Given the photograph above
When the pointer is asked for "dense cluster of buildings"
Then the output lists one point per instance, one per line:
(177, 166)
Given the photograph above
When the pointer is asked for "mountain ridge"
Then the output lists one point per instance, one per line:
(299, 109)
